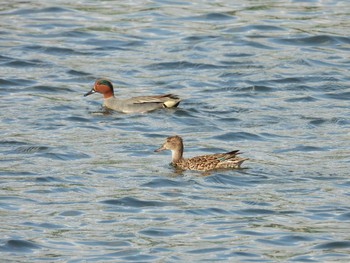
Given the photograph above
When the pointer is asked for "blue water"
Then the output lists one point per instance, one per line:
(80, 184)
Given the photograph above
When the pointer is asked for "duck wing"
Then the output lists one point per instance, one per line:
(213, 161)
(153, 99)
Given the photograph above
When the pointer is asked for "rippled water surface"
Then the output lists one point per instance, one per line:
(271, 78)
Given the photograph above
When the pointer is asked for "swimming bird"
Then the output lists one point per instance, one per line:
(200, 163)
(139, 104)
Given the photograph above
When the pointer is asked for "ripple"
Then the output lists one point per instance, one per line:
(71, 213)
(161, 182)
(46, 179)
(17, 173)
(334, 245)
(245, 255)
(199, 38)
(79, 119)
(134, 202)
(77, 34)
(51, 89)
(180, 65)
(159, 32)
(16, 82)
(31, 149)
(12, 142)
(59, 51)
(207, 250)
(211, 17)
(208, 211)
(264, 28)
(289, 240)
(256, 211)
(302, 99)
(304, 148)
(19, 246)
(138, 257)
(57, 153)
(44, 225)
(251, 233)
(30, 11)
(238, 136)
(257, 88)
(5, 58)
(320, 40)
(26, 63)
(113, 44)
(113, 244)
(257, 44)
(224, 181)
(338, 95)
(344, 217)
(77, 73)
(159, 232)
(66, 156)
(316, 121)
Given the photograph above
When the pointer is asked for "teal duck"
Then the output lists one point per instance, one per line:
(139, 104)
(228, 160)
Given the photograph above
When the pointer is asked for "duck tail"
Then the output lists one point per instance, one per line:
(233, 153)
(172, 102)
(240, 161)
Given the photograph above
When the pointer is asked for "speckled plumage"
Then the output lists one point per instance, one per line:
(228, 160)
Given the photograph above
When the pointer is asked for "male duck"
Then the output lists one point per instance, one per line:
(133, 105)
(200, 163)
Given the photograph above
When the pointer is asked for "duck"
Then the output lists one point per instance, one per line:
(228, 160)
(139, 104)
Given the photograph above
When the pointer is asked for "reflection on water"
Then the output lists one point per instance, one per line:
(82, 184)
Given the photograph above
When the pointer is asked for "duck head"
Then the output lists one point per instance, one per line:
(173, 143)
(102, 86)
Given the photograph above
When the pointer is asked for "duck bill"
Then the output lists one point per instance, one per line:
(92, 91)
(161, 148)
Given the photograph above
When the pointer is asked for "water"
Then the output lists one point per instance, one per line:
(270, 78)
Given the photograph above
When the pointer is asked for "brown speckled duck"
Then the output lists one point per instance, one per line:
(228, 160)
(139, 104)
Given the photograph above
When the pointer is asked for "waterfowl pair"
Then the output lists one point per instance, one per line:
(228, 160)
(140, 104)
(149, 103)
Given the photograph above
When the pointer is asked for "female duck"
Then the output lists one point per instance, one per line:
(133, 105)
(200, 163)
